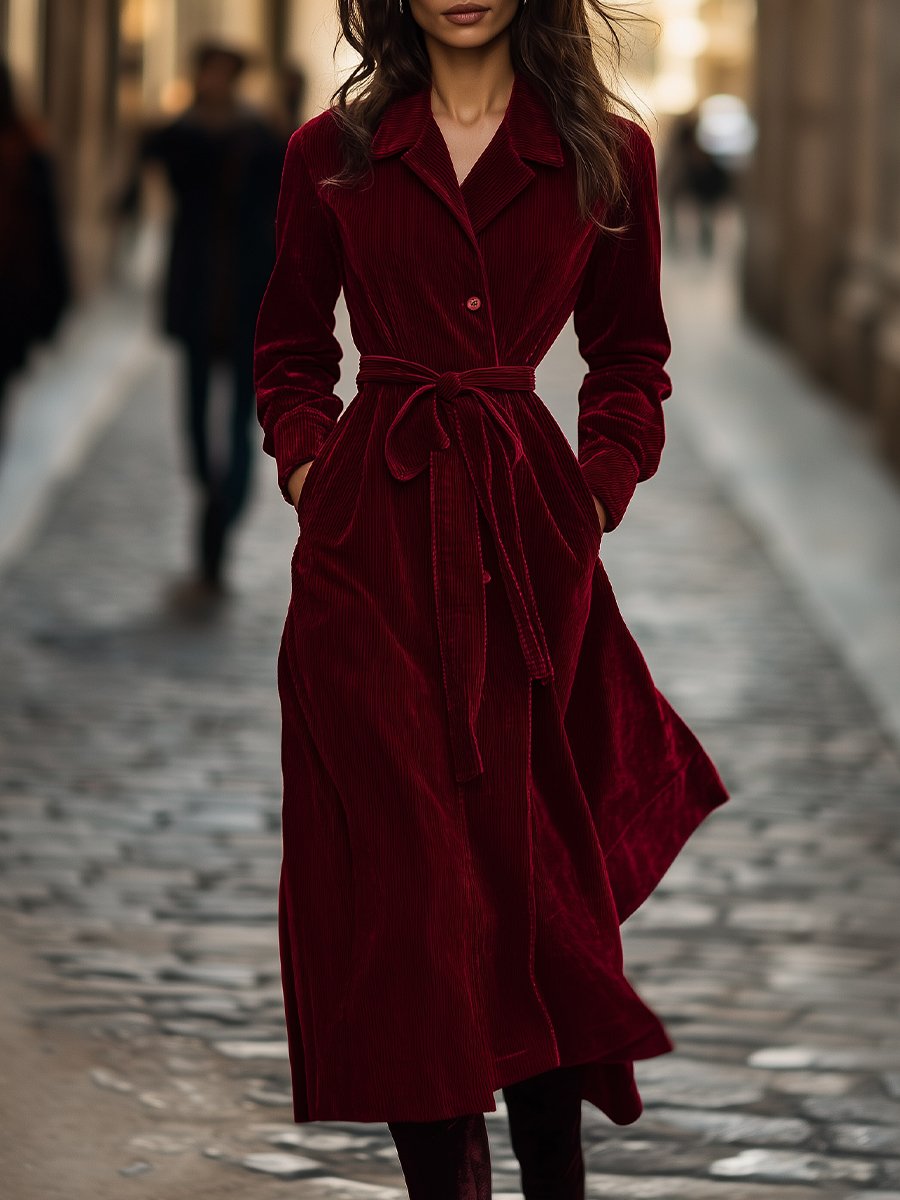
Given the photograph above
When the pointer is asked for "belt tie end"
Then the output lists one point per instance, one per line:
(480, 474)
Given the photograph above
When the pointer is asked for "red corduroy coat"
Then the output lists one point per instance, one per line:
(481, 781)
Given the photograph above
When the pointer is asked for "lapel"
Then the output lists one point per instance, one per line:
(527, 132)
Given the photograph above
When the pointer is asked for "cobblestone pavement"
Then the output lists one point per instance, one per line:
(139, 851)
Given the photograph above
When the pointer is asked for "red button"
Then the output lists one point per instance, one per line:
(473, 302)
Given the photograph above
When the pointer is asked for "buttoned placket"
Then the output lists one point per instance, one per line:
(473, 208)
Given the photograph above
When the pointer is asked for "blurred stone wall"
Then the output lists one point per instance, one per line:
(821, 267)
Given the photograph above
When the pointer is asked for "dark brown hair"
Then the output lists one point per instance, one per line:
(551, 44)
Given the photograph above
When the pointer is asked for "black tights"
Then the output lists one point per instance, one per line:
(450, 1159)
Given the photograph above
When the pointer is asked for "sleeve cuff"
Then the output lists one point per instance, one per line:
(612, 476)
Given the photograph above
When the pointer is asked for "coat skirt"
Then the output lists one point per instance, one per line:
(481, 781)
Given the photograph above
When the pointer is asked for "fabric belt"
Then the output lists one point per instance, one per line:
(458, 406)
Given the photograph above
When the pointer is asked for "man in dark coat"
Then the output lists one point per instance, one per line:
(223, 162)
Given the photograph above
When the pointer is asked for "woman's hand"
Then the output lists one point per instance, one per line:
(295, 483)
(601, 513)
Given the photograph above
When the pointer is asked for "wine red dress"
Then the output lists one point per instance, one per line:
(481, 781)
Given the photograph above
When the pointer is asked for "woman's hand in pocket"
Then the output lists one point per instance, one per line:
(601, 513)
(295, 483)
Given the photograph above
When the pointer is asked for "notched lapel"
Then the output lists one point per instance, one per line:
(408, 127)
(430, 159)
(495, 180)
(527, 132)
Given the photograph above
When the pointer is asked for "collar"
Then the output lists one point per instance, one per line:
(532, 131)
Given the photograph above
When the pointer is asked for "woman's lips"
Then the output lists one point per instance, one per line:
(472, 17)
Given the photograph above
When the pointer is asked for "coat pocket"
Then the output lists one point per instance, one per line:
(333, 483)
(588, 497)
(303, 498)
(561, 472)
(318, 463)
(581, 488)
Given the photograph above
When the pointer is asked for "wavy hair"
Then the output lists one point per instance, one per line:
(551, 44)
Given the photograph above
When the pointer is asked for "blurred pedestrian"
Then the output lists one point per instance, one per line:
(222, 159)
(35, 282)
(691, 176)
(291, 85)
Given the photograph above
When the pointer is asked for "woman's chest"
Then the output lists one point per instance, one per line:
(503, 240)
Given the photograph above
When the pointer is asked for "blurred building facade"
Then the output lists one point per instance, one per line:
(92, 71)
(821, 267)
(690, 50)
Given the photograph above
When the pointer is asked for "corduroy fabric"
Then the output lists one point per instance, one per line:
(481, 780)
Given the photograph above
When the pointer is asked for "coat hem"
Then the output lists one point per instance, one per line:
(608, 1081)
(604, 1069)
(689, 797)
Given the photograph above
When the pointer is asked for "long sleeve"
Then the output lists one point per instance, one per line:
(296, 357)
(623, 338)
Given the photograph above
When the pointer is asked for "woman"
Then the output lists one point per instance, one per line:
(481, 780)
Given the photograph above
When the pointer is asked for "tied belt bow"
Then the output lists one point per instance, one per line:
(480, 472)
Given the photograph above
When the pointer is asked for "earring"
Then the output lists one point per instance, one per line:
(401, 8)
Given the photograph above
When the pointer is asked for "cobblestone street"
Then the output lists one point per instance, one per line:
(139, 849)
